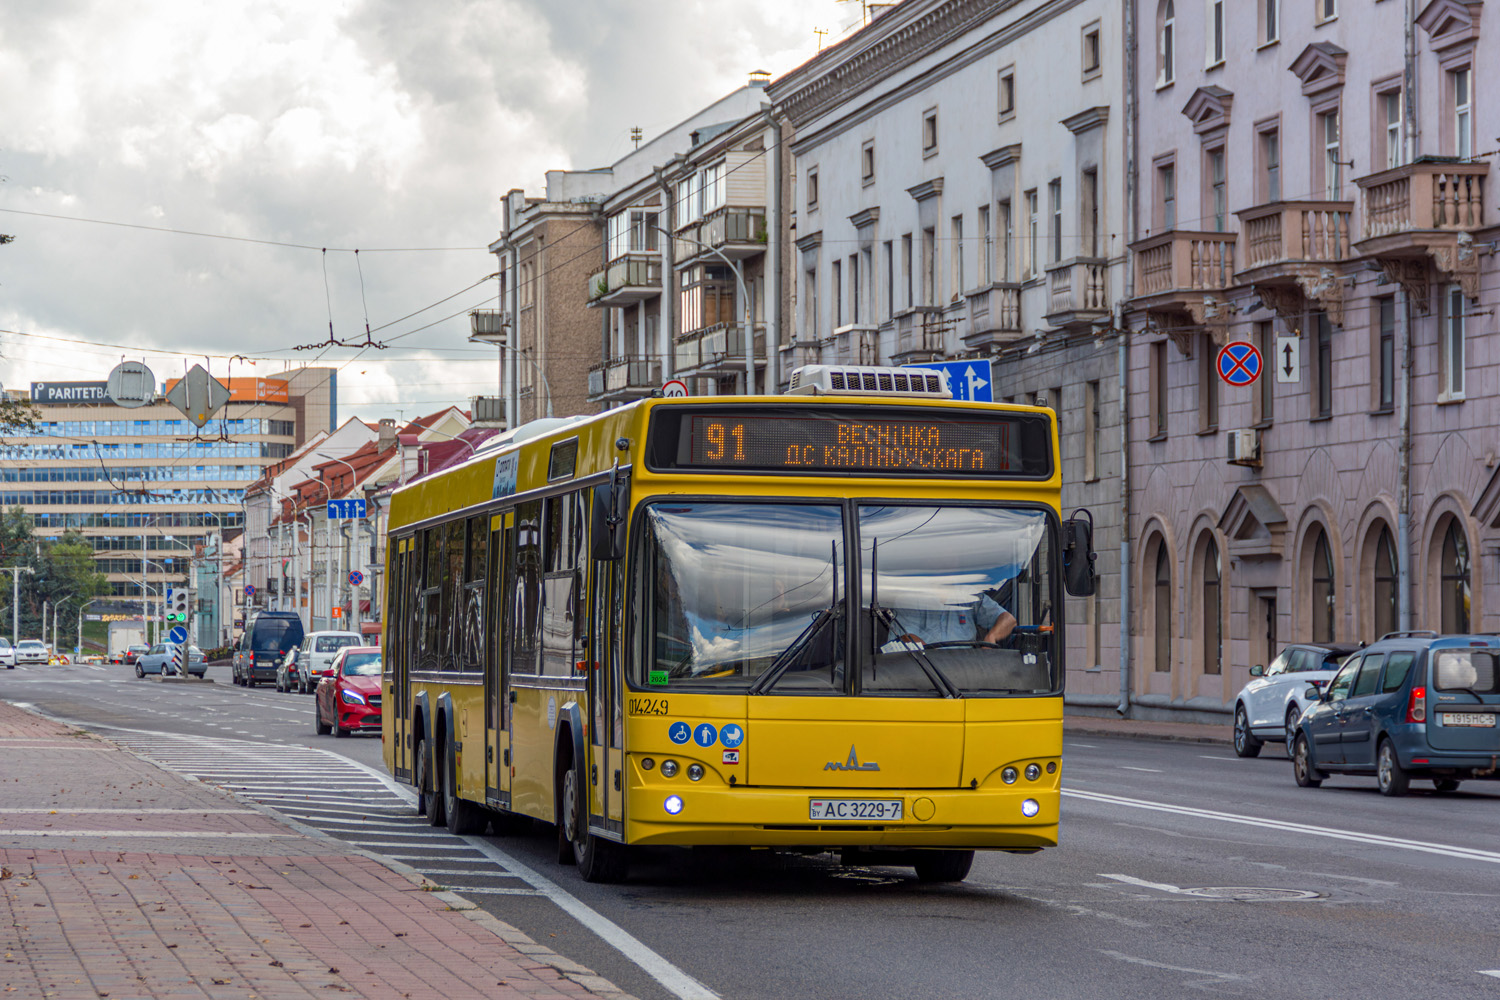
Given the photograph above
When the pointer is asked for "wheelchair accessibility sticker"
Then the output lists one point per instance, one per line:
(680, 733)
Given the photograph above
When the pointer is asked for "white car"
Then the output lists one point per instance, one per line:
(1269, 706)
(32, 651)
(315, 658)
(7, 653)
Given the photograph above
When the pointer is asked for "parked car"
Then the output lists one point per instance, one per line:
(318, 652)
(348, 698)
(32, 651)
(7, 653)
(289, 672)
(156, 658)
(268, 637)
(133, 653)
(1413, 705)
(1268, 707)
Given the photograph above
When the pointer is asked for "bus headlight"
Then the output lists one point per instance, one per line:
(1033, 772)
(673, 805)
(1009, 776)
(695, 772)
(669, 769)
(1030, 808)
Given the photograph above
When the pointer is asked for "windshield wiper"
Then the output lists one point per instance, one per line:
(894, 629)
(804, 639)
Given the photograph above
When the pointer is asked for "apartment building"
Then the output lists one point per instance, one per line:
(1312, 180)
(958, 193)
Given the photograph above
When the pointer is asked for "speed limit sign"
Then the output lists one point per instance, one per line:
(674, 388)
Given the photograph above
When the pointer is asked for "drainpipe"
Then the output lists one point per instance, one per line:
(1409, 99)
(1403, 514)
(772, 303)
(668, 325)
(1132, 200)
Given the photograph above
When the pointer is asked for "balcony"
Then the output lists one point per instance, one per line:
(633, 277)
(717, 350)
(737, 232)
(1291, 252)
(854, 344)
(1420, 213)
(489, 326)
(994, 317)
(1184, 273)
(1077, 291)
(919, 335)
(620, 380)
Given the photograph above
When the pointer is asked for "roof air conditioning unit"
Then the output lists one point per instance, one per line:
(867, 380)
(1244, 447)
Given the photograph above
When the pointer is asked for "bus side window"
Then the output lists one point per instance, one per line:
(476, 558)
(429, 657)
(560, 593)
(453, 592)
(524, 552)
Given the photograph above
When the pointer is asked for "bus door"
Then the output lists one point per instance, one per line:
(496, 737)
(608, 730)
(398, 615)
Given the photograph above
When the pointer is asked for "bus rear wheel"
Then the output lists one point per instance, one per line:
(944, 866)
(429, 792)
(598, 859)
(463, 816)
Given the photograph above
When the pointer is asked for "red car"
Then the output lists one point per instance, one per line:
(347, 699)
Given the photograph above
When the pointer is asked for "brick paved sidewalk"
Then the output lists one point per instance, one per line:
(121, 880)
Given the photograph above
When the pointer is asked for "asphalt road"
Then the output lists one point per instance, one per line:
(1183, 871)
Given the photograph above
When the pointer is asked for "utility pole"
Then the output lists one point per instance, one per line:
(15, 598)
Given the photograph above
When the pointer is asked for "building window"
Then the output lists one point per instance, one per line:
(906, 268)
(1328, 135)
(1387, 609)
(1213, 628)
(1218, 195)
(1270, 21)
(1270, 165)
(1092, 53)
(1007, 235)
(1208, 387)
(1088, 208)
(1390, 116)
(1159, 390)
(1455, 580)
(1452, 385)
(929, 267)
(810, 319)
(1166, 195)
(1264, 399)
(956, 233)
(1323, 369)
(854, 288)
(687, 201)
(1215, 32)
(836, 293)
(1323, 593)
(1166, 43)
(1090, 431)
(1327, 10)
(1007, 93)
(1385, 354)
(986, 248)
(929, 132)
(1162, 661)
(867, 162)
(1463, 114)
(1033, 234)
(890, 279)
(1054, 202)
(812, 189)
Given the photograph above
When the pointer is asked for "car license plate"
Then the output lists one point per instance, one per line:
(1484, 719)
(854, 809)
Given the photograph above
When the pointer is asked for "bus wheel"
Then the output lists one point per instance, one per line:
(944, 866)
(598, 859)
(464, 817)
(429, 798)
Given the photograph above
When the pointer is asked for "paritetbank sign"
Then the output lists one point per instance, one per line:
(69, 392)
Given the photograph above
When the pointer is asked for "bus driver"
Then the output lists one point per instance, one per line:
(955, 623)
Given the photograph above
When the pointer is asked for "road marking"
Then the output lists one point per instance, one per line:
(1490, 972)
(137, 812)
(1214, 977)
(1152, 770)
(1089, 746)
(165, 834)
(1209, 756)
(1160, 886)
(468, 890)
(1374, 839)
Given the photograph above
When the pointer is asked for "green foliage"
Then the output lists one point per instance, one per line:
(18, 415)
(62, 574)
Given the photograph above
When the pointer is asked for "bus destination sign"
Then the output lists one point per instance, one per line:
(904, 441)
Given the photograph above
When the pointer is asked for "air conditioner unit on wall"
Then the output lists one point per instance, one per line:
(1244, 447)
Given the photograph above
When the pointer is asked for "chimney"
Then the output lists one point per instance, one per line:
(387, 436)
(759, 77)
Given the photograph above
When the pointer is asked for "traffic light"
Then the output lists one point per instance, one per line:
(177, 607)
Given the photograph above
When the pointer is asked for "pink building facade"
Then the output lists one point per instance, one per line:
(1312, 177)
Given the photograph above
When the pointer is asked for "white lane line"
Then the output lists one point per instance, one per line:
(136, 812)
(1490, 972)
(476, 872)
(1159, 886)
(1209, 756)
(1212, 977)
(1374, 839)
(1152, 770)
(468, 890)
(1087, 746)
(154, 834)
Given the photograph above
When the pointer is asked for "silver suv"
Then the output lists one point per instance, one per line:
(315, 658)
(1269, 706)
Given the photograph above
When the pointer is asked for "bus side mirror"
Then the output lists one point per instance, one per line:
(1078, 553)
(606, 520)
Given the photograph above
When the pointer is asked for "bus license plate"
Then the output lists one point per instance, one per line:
(881, 810)
(1469, 719)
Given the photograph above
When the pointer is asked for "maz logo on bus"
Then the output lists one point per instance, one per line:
(852, 764)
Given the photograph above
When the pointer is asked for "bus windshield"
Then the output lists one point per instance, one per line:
(750, 597)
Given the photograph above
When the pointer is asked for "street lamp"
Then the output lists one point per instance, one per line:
(15, 597)
(78, 649)
(493, 338)
(739, 278)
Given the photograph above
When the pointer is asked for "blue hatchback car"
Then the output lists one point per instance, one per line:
(1413, 705)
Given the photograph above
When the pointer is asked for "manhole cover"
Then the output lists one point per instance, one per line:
(1250, 894)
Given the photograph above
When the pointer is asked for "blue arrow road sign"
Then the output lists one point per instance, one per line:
(346, 510)
(971, 380)
(178, 634)
(1239, 363)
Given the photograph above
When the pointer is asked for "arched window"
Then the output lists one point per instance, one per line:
(1213, 636)
(1455, 585)
(1163, 615)
(1166, 54)
(1322, 589)
(1387, 610)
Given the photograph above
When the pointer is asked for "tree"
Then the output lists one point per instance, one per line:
(62, 569)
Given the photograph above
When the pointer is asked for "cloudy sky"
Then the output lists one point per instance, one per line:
(276, 128)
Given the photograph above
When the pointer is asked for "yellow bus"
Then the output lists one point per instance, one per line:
(825, 621)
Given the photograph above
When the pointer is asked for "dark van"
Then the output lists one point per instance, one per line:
(268, 636)
(1413, 705)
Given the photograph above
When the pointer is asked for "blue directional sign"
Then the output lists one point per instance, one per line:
(1239, 363)
(178, 634)
(969, 380)
(346, 510)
